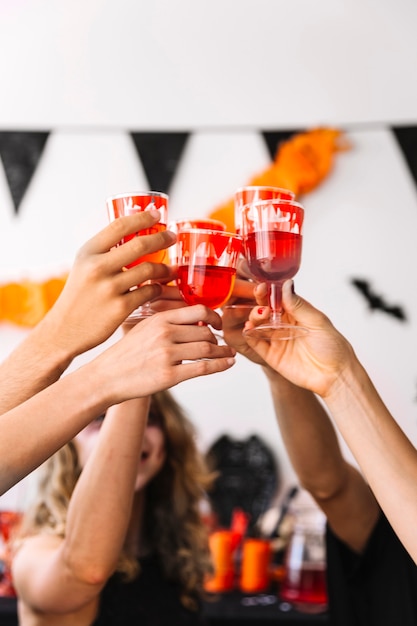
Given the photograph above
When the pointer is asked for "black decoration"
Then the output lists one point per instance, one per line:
(160, 154)
(274, 137)
(377, 302)
(247, 478)
(407, 140)
(20, 153)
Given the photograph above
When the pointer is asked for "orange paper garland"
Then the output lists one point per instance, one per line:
(300, 164)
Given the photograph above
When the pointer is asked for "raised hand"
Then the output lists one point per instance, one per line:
(97, 297)
(314, 361)
(163, 350)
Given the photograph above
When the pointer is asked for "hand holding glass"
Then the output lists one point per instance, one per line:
(272, 240)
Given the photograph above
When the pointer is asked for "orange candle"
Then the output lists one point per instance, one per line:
(256, 557)
(222, 547)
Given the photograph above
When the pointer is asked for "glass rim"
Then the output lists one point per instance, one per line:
(263, 187)
(128, 194)
(197, 219)
(261, 203)
(210, 231)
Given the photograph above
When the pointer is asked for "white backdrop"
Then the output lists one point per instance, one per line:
(91, 70)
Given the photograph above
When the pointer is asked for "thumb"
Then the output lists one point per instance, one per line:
(302, 311)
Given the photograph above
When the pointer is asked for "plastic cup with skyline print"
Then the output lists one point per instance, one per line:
(136, 202)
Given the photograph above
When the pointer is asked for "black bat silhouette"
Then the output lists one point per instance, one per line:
(377, 302)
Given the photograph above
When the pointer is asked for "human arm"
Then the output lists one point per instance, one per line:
(65, 576)
(94, 302)
(313, 447)
(324, 362)
(123, 371)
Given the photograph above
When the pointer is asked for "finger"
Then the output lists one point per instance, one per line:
(243, 289)
(204, 367)
(261, 294)
(138, 247)
(182, 333)
(138, 274)
(171, 292)
(302, 311)
(243, 269)
(193, 350)
(135, 298)
(193, 315)
(111, 234)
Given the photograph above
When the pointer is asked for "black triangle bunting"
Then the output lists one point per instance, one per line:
(274, 137)
(20, 153)
(160, 154)
(407, 140)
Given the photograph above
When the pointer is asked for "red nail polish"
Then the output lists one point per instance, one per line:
(260, 310)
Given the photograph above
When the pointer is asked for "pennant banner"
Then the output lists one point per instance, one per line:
(274, 137)
(407, 139)
(20, 153)
(160, 154)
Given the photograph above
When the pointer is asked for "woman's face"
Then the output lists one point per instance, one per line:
(151, 459)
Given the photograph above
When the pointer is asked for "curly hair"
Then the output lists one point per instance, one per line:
(173, 520)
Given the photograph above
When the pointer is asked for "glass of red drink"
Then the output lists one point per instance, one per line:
(304, 584)
(272, 241)
(207, 265)
(135, 202)
(192, 222)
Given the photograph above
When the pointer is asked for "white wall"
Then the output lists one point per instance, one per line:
(92, 70)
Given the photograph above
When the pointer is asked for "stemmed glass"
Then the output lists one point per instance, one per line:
(207, 262)
(272, 240)
(136, 202)
(242, 197)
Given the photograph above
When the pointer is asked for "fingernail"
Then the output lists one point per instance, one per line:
(260, 310)
(154, 212)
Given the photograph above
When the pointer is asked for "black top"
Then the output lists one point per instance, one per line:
(148, 600)
(376, 588)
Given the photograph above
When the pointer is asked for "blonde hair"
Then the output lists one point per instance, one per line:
(173, 522)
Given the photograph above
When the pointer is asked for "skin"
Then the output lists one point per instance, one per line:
(320, 372)
(95, 301)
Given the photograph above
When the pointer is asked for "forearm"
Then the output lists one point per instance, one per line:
(313, 448)
(35, 429)
(308, 435)
(101, 505)
(38, 361)
(385, 455)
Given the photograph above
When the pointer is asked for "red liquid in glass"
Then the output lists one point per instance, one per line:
(273, 255)
(206, 284)
(154, 257)
(305, 586)
(9, 521)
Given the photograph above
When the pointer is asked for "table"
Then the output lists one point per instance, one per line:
(235, 609)
(231, 609)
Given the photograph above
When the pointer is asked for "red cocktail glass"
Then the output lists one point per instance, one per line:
(272, 241)
(207, 265)
(135, 202)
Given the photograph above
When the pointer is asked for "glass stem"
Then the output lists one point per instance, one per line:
(275, 301)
